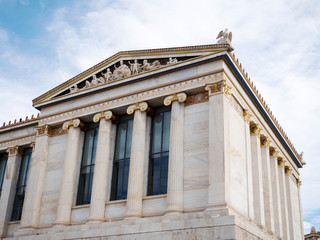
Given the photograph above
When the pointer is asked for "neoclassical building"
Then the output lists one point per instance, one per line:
(172, 143)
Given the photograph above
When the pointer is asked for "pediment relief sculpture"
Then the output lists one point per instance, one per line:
(120, 71)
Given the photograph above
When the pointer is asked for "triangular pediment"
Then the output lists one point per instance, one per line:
(125, 66)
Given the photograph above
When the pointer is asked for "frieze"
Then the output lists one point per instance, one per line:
(197, 98)
(18, 141)
(58, 131)
(127, 100)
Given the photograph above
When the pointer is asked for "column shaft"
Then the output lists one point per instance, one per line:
(101, 170)
(8, 192)
(137, 159)
(68, 183)
(175, 171)
(289, 204)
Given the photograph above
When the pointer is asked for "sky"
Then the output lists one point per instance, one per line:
(46, 42)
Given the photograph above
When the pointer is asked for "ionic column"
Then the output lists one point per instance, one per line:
(247, 118)
(70, 168)
(175, 168)
(137, 159)
(276, 192)
(258, 203)
(283, 197)
(9, 187)
(289, 192)
(267, 183)
(101, 168)
(219, 160)
(36, 178)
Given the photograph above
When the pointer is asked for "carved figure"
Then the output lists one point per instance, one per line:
(135, 67)
(74, 89)
(147, 66)
(172, 60)
(122, 71)
(224, 36)
(96, 81)
(108, 75)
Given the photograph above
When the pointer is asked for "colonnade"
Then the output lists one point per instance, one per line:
(137, 161)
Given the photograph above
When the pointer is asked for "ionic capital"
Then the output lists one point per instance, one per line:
(181, 97)
(255, 130)
(287, 170)
(108, 115)
(246, 115)
(264, 142)
(33, 146)
(73, 122)
(273, 152)
(142, 106)
(281, 162)
(43, 130)
(218, 88)
(14, 151)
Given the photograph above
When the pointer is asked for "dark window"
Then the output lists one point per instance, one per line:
(87, 164)
(3, 164)
(21, 184)
(121, 160)
(159, 152)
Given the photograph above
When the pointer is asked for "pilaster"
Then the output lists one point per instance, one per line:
(247, 119)
(101, 168)
(9, 187)
(175, 168)
(267, 183)
(219, 160)
(70, 167)
(36, 178)
(257, 175)
(137, 159)
(277, 204)
(283, 198)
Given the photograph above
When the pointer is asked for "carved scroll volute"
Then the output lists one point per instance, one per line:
(181, 97)
(43, 130)
(142, 106)
(273, 152)
(281, 162)
(73, 122)
(264, 141)
(108, 115)
(255, 130)
(246, 115)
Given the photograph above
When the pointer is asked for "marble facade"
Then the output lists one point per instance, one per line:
(232, 172)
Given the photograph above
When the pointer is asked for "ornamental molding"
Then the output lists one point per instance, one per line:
(218, 88)
(142, 106)
(18, 141)
(281, 162)
(14, 151)
(246, 115)
(299, 183)
(44, 130)
(264, 142)
(180, 97)
(74, 123)
(255, 130)
(273, 152)
(287, 170)
(134, 98)
(108, 115)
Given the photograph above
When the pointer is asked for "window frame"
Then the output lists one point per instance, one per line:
(3, 166)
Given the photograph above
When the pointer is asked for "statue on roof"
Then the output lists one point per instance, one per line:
(224, 36)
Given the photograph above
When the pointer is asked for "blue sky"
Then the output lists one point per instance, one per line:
(45, 42)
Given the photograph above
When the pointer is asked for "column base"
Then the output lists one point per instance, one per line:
(61, 223)
(219, 209)
(173, 210)
(95, 220)
(24, 231)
